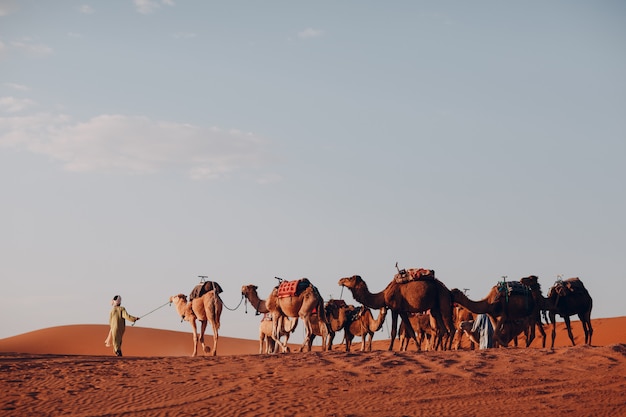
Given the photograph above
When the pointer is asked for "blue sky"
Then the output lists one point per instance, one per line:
(144, 143)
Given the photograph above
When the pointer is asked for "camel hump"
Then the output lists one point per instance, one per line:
(293, 288)
(414, 274)
(203, 288)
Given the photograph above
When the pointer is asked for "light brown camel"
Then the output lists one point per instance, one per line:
(266, 342)
(206, 309)
(506, 301)
(567, 298)
(301, 305)
(461, 314)
(410, 297)
(423, 331)
(319, 329)
(337, 312)
(361, 323)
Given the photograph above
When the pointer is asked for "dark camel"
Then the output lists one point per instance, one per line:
(541, 304)
(567, 298)
(411, 297)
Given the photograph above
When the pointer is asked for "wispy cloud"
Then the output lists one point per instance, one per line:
(7, 7)
(150, 6)
(14, 105)
(18, 87)
(31, 48)
(310, 33)
(86, 9)
(128, 144)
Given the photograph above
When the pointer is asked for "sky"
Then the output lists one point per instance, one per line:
(144, 143)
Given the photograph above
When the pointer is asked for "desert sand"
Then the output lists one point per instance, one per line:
(67, 370)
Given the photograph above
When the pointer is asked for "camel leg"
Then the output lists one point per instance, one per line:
(194, 334)
(553, 320)
(216, 336)
(205, 348)
(531, 335)
(394, 328)
(568, 324)
(277, 325)
(409, 328)
(585, 319)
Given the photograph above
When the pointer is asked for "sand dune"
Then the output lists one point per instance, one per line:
(67, 370)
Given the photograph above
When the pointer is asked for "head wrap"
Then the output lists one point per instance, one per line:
(117, 300)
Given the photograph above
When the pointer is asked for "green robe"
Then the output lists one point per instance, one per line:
(117, 320)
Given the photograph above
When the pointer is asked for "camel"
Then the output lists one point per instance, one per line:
(266, 342)
(567, 298)
(461, 314)
(301, 305)
(319, 329)
(207, 308)
(337, 312)
(422, 328)
(361, 323)
(541, 304)
(502, 305)
(403, 298)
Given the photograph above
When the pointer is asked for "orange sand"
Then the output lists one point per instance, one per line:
(67, 371)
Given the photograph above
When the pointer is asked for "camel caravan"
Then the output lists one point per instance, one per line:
(431, 315)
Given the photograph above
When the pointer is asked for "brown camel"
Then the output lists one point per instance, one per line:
(541, 304)
(337, 312)
(302, 304)
(266, 342)
(207, 308)
(567, 298)
(361, 323)
(506, 301)
(461, 314)
(423, 331)
(409, 297)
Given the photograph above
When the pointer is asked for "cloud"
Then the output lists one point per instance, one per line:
(14, 105)
(30, 48)
(310, 33)
(149, 6)
(138, 145)
(18, 87)
(86, 9)
(7, 7)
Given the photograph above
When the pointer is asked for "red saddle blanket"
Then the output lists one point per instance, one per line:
(292, 288)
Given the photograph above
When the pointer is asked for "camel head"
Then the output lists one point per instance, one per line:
(350, 282)
(247, 289)
(176, 299)
(184, 308)
(531, 281)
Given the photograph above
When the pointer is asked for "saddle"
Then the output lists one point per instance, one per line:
(570, 285)
(293, 288)
(413, 274)
(203, 288)
(509, 288)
